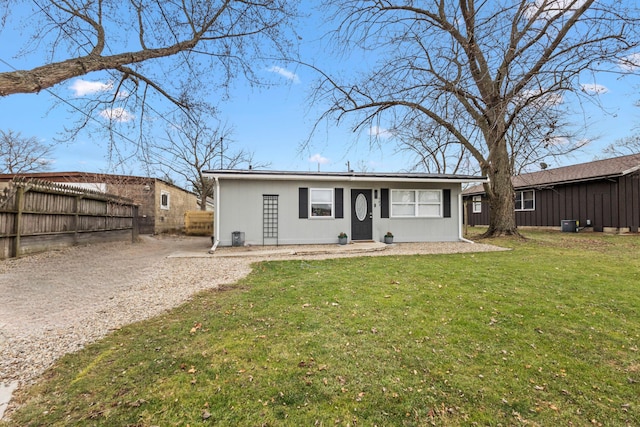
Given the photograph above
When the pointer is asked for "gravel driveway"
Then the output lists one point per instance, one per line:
(57, 302)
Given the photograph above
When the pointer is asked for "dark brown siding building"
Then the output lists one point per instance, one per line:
(604, 194)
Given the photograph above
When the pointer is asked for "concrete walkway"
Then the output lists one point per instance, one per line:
(267, 251)
(6, 392)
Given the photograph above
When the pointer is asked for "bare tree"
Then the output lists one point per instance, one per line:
(194, 147)
(623, 147)
(433, 150)
(145, 50)
(478, 70)
(20, 154)
(540, 134)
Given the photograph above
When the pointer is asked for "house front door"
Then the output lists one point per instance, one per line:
(361, 215)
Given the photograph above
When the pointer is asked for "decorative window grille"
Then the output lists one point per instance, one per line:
(269, 217)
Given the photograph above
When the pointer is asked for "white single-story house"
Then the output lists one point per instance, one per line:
(258, 207)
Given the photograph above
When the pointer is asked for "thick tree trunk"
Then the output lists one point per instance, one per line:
(502, 220)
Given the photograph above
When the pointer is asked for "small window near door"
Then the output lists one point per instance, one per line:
(477, 204)
(321, 202)
(164, 200)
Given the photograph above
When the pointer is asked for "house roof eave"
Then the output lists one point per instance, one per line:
(341, 176)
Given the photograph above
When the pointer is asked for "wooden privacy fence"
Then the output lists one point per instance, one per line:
(198, 223)
(36, 216)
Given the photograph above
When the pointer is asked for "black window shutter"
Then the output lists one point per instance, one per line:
(384, 203)
(303, 202)
(339, 199)
(446, 202)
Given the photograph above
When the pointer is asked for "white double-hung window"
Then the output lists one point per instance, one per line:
(477, 204)
(321, 202)
(416, 203)
(525, 200)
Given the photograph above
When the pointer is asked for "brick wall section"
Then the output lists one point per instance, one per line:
(142, 192)
(180, 201)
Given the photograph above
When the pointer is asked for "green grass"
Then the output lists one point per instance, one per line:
(545, 334)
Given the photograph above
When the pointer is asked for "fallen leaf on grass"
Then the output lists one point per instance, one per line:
(195, 328)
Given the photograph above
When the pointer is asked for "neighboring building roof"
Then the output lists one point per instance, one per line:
(74, 177)
(71, 175)
(341, 176)
(599, 169)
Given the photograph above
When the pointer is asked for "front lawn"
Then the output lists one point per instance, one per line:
(545, 334)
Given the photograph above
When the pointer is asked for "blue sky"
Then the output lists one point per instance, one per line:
(272, 123)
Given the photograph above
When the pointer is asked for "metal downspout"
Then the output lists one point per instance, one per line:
(216, 220)
(461, 219)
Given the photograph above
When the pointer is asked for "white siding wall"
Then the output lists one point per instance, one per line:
(241, 210)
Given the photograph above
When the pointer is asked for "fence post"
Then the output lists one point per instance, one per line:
(76, 219)
(18, 222)
(135, 230)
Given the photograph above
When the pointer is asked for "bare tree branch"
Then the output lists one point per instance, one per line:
(231, 31)
(195, 147)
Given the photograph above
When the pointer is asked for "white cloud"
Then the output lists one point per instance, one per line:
(630, 62)
(84, 87)
(557, 140)
(594, 88)
(318, 158)
(293, 77)
(539, 99)
(118, 114)
(562, 140)
(380, 132)
(549, 8)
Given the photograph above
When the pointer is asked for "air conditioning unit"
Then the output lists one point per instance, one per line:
(569, 225)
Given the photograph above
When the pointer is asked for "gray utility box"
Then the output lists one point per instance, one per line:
(569, 225)
(237, 238)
